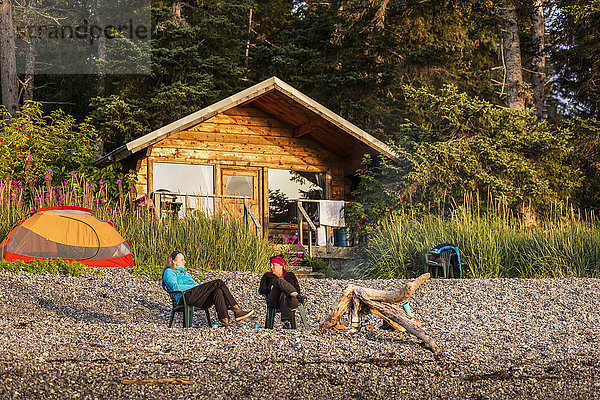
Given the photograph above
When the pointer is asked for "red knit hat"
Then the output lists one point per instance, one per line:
(278, 260)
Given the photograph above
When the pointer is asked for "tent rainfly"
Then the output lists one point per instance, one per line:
(70, 233)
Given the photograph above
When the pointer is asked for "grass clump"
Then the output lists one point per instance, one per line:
(55, 266)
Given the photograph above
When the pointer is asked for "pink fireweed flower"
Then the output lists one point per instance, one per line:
(46, 177)
(49, 170)
(119, 181)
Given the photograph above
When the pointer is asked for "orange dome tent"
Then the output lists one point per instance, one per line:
(69, 233)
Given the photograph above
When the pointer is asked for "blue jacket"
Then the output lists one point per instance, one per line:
(178, 279)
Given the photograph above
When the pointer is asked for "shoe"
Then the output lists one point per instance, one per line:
(241, 314)
(224, 322)
(287, 325)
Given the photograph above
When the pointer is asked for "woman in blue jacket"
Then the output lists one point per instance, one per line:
(203, 294)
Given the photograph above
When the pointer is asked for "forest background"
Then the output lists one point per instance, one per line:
(486, 99)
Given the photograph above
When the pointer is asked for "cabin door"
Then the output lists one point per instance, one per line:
(241, 182)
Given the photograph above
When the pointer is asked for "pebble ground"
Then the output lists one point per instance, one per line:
(81, 337)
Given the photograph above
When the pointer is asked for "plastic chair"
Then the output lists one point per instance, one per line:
(441, 260)
(270, 318)
(187, 310)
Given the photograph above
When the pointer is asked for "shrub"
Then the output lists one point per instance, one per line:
(456, 144)
(34, 146)
(152, 271)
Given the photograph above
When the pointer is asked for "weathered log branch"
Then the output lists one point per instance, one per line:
(385, 305)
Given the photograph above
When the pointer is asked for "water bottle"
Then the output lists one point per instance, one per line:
(406, 308)
(355, 320)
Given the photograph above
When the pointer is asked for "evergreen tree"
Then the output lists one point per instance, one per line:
(575, 56)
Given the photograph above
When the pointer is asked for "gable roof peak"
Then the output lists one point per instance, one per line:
(246, 96)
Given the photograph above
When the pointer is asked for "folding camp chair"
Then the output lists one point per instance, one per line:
(444, 260)
(270, 318)
(187, 310)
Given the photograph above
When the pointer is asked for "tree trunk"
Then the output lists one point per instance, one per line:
(538, 63)
(29, 81)
(28, 84)
(383, 304)
(511, 47)
(102, 67)
(8, 61)
(101, 62)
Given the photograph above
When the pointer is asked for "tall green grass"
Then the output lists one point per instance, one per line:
(215, 243)
(493, 244)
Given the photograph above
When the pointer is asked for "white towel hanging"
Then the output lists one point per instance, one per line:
(331, 213)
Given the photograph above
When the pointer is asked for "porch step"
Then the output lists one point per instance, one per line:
(309, 274)
(304, 270)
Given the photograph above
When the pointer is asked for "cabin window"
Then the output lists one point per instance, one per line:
(189, 179)
(286, 186)
(239, 186)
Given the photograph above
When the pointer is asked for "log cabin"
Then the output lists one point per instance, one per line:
(269, 144)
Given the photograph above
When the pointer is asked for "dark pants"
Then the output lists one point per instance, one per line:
(280, 298)
(211, 293)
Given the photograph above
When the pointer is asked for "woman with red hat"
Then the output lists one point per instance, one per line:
(282, 290)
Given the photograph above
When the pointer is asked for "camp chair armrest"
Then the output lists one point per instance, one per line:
(431, 262)
(181, 292)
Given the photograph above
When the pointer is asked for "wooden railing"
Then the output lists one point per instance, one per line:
(312, 227)
(164, 204)
(303, 216)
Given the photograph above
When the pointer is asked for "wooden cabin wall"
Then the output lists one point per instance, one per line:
(244, 137)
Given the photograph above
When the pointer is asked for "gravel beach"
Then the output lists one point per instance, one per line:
(83, 337)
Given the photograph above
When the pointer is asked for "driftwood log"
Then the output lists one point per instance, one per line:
(384, 304)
